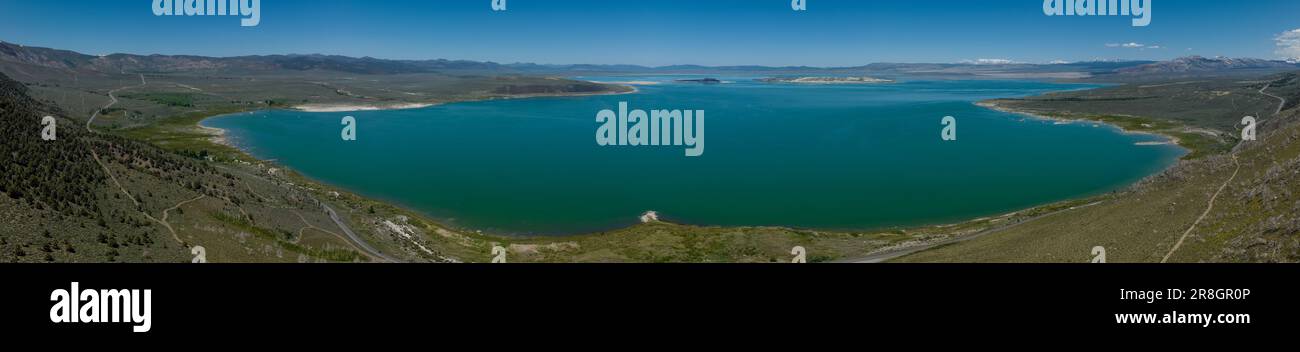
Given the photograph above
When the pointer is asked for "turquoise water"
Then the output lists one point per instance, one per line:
(811, 156)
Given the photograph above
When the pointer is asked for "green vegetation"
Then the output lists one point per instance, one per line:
(182, 134)
(151, 182)
(1252, 220)
(284, 241)
(1199, 142)
(1202, 115)
(168, 99)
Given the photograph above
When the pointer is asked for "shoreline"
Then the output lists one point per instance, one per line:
(219, 137)
(1168, 139)
(354, 107)
(219, 134)
(359, 107)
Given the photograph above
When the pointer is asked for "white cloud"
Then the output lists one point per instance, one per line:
(1133, 45)
(1125, 45)
(1288, 44)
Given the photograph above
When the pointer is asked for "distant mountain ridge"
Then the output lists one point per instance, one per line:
(118, 63)
(1203, 64)
(64, 59)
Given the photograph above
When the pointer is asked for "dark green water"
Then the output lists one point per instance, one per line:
(827, 157)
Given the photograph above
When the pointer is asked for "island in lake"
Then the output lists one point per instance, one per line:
(827, 80)
(701, 81)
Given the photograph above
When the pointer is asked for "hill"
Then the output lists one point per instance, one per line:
(95, 196)
(1198, 64)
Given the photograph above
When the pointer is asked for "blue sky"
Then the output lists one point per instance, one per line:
(664, 32)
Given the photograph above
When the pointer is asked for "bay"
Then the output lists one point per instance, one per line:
(808, 156)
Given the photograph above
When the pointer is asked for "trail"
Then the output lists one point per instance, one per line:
(1210, 206)
(114, 178)
(178, 205)
(351, 236)
(168, 225)
(113, 101)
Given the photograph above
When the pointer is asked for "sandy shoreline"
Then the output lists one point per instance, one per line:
(630, 83)
(631, 86)
(632, 89)
(1168, 139)
(219, 135)
(358, 107)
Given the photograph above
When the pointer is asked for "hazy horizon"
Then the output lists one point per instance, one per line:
(967, 62)
(831, 33)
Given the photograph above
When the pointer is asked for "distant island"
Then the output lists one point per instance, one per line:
(701, 81)
(827, 80)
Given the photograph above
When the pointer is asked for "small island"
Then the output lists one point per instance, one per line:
(827, 80)
(701, 81)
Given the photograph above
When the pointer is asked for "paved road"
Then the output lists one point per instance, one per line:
(112, 101)
(1279, 106)
(371, 251)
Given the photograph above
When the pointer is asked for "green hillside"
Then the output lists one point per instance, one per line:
(1252, 219)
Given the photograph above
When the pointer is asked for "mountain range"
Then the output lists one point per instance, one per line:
(124, 63)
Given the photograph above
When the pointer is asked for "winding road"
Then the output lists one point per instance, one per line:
(371, 251)
(112, 101)
(1279, 106)
(887, 255)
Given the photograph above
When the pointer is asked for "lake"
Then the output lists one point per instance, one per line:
(807, 156)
